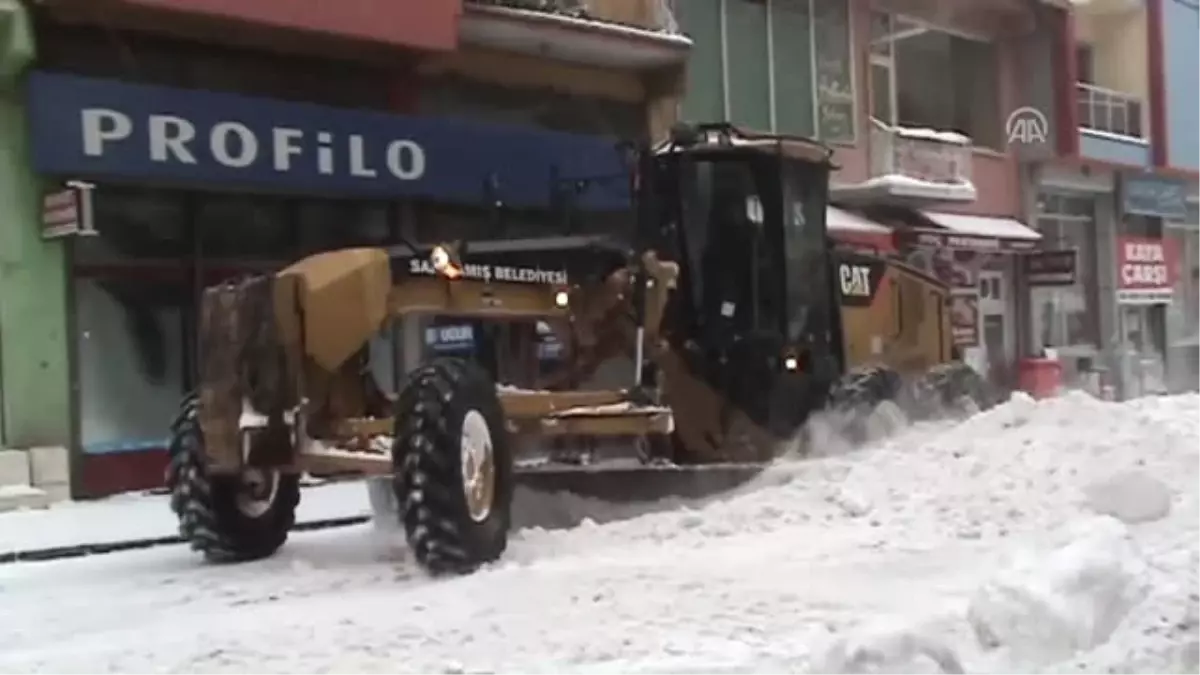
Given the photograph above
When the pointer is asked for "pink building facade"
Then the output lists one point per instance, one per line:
(922, 101)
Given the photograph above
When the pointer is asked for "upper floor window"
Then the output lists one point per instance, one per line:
(784, 66)
(1085, 60)
(922, 77)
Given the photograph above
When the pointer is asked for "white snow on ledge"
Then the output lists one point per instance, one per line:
(922, 133)
(1115, 137)
(905, 186)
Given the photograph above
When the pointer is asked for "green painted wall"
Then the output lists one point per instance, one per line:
(34, 380)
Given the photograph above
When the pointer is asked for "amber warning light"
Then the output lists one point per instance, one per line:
(444, 263)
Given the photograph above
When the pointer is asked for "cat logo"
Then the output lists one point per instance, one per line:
(855, 280)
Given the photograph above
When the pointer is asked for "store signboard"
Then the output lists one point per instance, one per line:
(155, 135)
(1154, 196)
(1051, 268)
(964, 318)
(451, 338)
(67, 211)
(1147, 270)
(940, 239)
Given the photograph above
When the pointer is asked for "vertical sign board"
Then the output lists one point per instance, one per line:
(68, 211)
(964, 317)
(1147, 269)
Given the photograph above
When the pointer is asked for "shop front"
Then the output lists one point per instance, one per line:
(1149, 268)
(978, 257)
(190, 187)
(1064, 277)
(1183, 314)
(1146, 279)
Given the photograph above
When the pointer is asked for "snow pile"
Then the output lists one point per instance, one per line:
(993, 545)
(1022, 485)
(1131, 496)
(1044, 608)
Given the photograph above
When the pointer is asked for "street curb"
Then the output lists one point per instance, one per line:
(80, 550)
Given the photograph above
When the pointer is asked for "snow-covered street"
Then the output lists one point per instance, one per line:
(1053, 536)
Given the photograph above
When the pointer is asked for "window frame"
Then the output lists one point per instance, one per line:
(852, 57)
(893, 65)
(813, 85)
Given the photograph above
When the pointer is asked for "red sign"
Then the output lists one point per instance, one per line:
(68, 211)
(1147, 269)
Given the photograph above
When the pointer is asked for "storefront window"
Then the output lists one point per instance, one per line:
(242, 227)
(325, 224)
(436, 221)
(132, 294)
(136, 286)
(1065, 318)
(1183, 314)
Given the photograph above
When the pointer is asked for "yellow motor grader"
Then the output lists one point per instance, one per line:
(739, 317)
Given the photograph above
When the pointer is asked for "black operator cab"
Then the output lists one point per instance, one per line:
(744, 215)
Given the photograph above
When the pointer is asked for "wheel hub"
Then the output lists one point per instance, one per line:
(478, 466)
(256, 492)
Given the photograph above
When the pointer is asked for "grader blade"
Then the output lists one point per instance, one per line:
(638, 483)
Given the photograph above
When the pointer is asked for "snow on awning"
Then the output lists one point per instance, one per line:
(974, 233)
(555, 36)
(857, 231)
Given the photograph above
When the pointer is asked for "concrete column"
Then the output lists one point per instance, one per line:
(1106, 285)
(35, 402)
(664, 91)
(1030, 187)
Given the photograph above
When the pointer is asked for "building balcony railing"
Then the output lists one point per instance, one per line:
(924, 155)
(1109, 111)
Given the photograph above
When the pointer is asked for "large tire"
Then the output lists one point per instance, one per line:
(855, 398)
(448, 417)
(225, 517)
(953, 388)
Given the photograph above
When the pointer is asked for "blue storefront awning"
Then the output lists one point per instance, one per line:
(97, 128)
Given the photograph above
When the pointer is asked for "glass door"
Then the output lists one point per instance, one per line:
(993, 312)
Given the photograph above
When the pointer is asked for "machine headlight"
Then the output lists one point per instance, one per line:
(791, 363)
(444, 263)
(561, 299)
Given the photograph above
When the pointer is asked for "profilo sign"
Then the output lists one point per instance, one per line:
(101, 128)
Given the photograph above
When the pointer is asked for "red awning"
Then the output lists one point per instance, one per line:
(858, 232)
